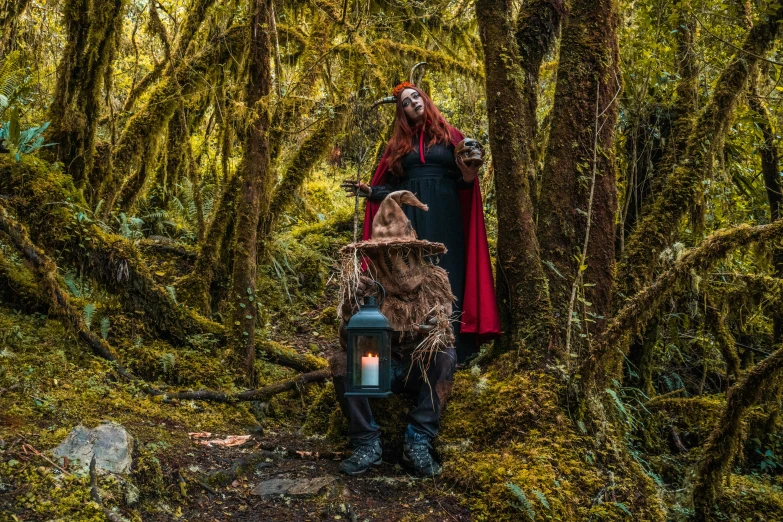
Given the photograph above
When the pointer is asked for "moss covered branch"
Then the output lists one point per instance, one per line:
(51, 207)
(656, 228)
(722, 444)
(259, 394)
(637, 311)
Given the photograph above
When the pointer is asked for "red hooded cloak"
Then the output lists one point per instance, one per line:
(479, 308)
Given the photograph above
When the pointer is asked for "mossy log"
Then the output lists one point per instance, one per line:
(52, 209)
(722, 444)
(656, 228)
(58, 300)
(521, 283)
(18, 285)
(637, 311)
(259, 394)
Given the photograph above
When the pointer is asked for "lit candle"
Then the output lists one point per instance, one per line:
(370, 370)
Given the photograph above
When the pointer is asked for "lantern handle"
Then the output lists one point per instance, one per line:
(383, 292)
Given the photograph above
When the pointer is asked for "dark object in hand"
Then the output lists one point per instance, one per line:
(471, 152)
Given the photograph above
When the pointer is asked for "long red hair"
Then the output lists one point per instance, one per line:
(436, 130)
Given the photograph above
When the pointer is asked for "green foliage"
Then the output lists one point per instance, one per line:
(89, 311)
(522, 504)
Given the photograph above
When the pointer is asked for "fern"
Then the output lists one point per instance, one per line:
(13, 78)
(524, 504)
(105, 324)
(167, 362)
(172, 293)
(542, 498)
(71, 284)
(89, 311)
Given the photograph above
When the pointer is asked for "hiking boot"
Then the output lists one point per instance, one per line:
(364, 456)
(416, 454)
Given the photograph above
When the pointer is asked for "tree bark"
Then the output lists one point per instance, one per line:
(91, 27)
(770, 173)
(254, 192)
(589, 61)
(521, 283)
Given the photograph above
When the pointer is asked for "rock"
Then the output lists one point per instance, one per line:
(314, 348)
(294, 487)
(110, 443)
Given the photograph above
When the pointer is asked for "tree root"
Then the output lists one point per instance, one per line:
(250, 395)
(42, 195)
(96, 495)
(722, 444)
(46, 271)
(633, 317)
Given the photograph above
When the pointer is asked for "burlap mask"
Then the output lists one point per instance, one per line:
(397, 259)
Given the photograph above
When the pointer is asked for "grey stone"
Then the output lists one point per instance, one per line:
(303, 487)
(110, 443)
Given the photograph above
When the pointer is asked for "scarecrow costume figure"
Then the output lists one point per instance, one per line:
(418, 304)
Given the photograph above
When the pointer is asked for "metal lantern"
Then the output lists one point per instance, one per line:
(369, 351)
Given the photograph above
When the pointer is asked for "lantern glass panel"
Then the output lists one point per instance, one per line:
(366, 361)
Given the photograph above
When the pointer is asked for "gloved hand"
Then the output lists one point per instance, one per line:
(352, 188)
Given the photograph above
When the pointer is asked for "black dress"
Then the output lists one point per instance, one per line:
(435, 183)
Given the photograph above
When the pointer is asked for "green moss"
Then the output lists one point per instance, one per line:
(505, 426)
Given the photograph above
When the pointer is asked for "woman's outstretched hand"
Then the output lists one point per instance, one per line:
(469, 172)
(352, 188)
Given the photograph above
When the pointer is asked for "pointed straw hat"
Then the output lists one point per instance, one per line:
(391, 228)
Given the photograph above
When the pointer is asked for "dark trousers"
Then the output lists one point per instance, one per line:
(432, 396)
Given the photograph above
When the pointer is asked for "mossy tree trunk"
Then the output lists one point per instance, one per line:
(538, 27)
(770, 173)
(91, 27)
(521, 283)
(10, 10)
(654, 233)
(309, 153)
(255, 186)
(588, 83)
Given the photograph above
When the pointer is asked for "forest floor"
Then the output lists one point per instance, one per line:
(60, 386)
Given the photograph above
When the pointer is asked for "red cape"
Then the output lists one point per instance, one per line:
(479, 308)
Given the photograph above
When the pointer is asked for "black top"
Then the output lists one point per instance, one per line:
(435, 183)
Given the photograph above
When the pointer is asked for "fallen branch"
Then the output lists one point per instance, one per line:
(250, 395)
(96, 495)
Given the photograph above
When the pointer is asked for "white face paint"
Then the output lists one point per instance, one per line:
(412, 105)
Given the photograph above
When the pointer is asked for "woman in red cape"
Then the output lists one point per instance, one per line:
(420, 157)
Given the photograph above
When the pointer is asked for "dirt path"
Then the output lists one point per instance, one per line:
(386, 493)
